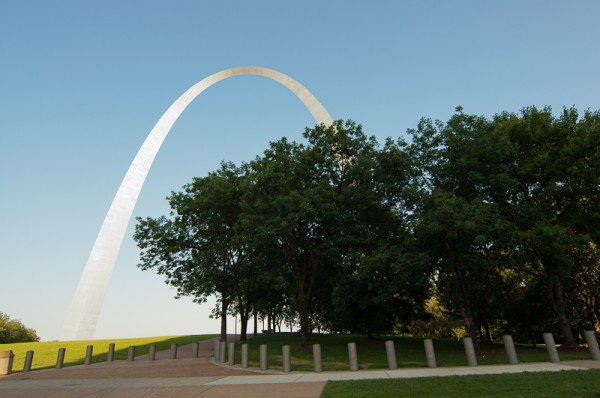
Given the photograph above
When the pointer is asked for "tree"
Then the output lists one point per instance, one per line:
(458, 228)
(199, 249)
(291, 209)
(461, 237)
(587, 280)
(552, 176)
(297, 230)
(510, 193)
(379, 282)
(501, 215)
(14, 331)
(336, 211)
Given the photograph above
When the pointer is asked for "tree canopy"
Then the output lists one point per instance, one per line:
(14, 331)
(492, 221)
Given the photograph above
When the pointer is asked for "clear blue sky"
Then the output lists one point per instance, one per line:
(83, 82)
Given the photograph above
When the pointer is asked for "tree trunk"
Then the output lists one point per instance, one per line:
(269, 322)
(488, 334)
(304, 335)
(464, 300)
(533, 339)
(556, 299)
(470, 326)
(255, 324)
(465, 306)
(593, 313)
(480, 334)
(244, 327)
(224, 306)
(303, 316)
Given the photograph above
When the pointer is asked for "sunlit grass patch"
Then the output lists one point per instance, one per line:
(45, 353)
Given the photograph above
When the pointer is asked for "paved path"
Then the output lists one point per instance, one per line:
(200, 377)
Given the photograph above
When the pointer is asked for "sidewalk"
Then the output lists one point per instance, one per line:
(200, 377)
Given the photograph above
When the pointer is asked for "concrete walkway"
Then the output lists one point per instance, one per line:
(200, 377)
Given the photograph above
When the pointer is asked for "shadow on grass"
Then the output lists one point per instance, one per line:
(410, 352)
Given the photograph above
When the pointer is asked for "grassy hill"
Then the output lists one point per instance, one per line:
(334, 348)
(46, 352)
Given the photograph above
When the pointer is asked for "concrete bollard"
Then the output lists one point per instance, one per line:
(173, 351)
(131, 353)
(231, 354)
(390, 352)
(551, 347)
(6, 361)
(216, 348)
(88, 355)
(352, 357)
(60, 359)
(590, 338)
(152, 352)
(263, 357)
(110, 355)
(196, 349)
(244, 363)
(287, 360)
(28, 361)
(222, 351)
(470, 351)
(317, 362)
(509, 347)
(430, 353)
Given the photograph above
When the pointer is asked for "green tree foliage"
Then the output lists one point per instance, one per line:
(290, 210)
(378, 282)
(498, 218)
(296, 229)
(14, 331)
(552, 177)
(511, 193)
(332, 213)
(459, 228)
(199, 249)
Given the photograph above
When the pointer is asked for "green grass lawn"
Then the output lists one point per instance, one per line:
(581, 384)
(46, 353)
(371, 353)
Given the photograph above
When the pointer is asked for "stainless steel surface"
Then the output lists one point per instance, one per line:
(88, 299)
